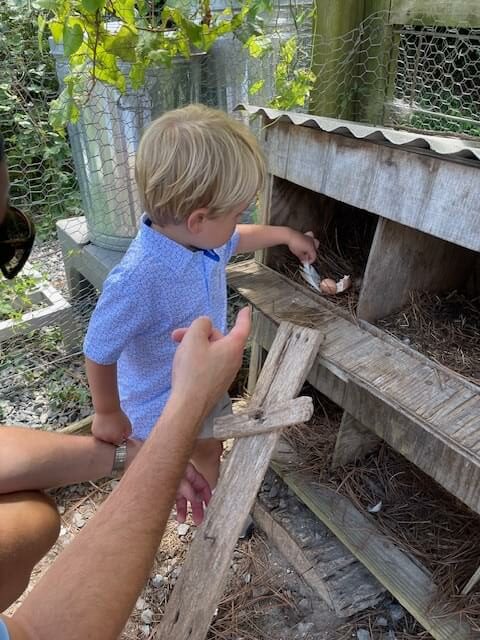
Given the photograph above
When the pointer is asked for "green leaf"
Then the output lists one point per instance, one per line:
(63, 110)
(92, 6)
(122, 44)
(256, 87)
(48, 5)
(137, 75)
(56, 29)
(72, 39)
(42, 22)
(258, 46)
(125, 10)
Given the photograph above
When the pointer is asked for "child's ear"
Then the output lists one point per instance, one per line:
(196, 220)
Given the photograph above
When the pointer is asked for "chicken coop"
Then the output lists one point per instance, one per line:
(399, 363)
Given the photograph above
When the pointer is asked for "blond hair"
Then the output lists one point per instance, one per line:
(194, 158)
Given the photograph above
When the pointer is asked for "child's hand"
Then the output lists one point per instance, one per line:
(304, 246)
(112, 427)
(196, 490)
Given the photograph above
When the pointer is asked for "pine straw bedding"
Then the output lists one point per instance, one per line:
(416, 513)
(444, 327)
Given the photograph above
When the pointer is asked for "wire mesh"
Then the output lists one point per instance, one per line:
(437, 79)
(422, 76)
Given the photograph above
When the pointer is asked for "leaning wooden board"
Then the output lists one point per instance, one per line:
(410, 583)
(427, 413)
(199, 588)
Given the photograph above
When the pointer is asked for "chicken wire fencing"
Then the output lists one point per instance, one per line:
(422, 76)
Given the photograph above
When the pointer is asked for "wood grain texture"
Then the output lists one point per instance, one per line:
(79, 428)
(444, 13)
(426, 412)
(354, 441)
(471, 583)
(200, 585)
(333, 20)
(413, 188)
(328, 567)
(406, 579)
(255, 421)
(403, 260)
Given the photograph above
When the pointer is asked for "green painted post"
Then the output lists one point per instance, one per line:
(334, 25)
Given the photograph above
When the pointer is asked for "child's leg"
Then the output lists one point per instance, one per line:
(206, 459)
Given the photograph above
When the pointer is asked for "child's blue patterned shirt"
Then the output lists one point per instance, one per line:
(158, 286)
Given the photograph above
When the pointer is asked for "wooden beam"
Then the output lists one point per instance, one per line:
(81, 427)
(419, 190)
(333, 94)
(199, 588)
(471, 583)
(406, 580)
(450, 463)
(354, 441)
(255, 421)
(444, 13)
(325, 565)
(402, 260)
(427, 413)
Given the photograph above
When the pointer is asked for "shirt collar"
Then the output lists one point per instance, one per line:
(171, 253)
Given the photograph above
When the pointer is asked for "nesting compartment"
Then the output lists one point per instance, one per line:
(345, 234)
(405, 224)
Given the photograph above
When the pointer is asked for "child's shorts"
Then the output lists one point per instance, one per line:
(223, 408)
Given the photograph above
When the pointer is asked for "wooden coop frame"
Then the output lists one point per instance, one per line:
(425, 411)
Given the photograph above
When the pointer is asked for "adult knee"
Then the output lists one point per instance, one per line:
(30, 527)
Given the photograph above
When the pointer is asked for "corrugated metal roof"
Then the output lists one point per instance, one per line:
(450, 147)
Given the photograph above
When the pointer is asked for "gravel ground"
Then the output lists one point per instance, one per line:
(43, 384)
(264, 598)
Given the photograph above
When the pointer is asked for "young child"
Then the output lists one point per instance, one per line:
(197, 170)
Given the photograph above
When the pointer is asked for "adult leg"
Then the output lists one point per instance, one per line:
(30, 525)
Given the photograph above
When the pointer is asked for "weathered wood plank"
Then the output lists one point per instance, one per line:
(471, 583)
(415, 189)
(406, 388)
(325, 564)
(81, 427)
(442, 12)
(199, 588)
(444, 459)
(402, 260)
(254, 421)
(406, 580)
(333, 20)
(354, 441)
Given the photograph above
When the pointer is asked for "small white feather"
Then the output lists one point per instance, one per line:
(310, 275)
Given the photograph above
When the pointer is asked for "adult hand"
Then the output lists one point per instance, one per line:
(206, 362)
(193, 489)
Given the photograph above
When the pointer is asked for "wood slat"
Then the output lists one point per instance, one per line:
(255, 421)
(407, 581)
(199, 588)
(421, 410)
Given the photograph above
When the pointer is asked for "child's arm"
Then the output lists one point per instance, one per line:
(260, 236)
(109, 423)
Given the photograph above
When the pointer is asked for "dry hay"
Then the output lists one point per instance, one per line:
(444, 327)
(371, 621)
(418, 515)
(252, 593)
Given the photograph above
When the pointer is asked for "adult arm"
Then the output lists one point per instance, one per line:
(90, 590)
(31, 460)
